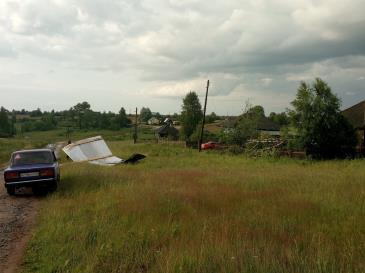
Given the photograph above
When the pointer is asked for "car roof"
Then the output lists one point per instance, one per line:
(33, 150)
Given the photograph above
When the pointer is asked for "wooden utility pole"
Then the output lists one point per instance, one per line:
(363, 141)
(135, 129)
(203, 123)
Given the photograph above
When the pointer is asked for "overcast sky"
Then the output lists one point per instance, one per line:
(114, 53)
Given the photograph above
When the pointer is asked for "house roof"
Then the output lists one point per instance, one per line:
(356, 114)
(165, 129)
(266, 124)
(263, 124)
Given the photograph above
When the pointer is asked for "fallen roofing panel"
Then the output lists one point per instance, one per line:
(93, 150)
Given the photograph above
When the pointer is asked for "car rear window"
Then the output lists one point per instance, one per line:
(26, 158)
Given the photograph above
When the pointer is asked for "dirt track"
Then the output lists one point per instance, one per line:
(17, 215)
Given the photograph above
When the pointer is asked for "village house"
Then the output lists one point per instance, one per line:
(167, 131)
(267, 127)
(264, 126)
(153, 121)
(356, 116)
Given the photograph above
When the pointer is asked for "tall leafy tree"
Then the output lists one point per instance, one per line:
(191, 114)
(280, 118)
(13, 121)
(322, 129)
(5, 126)
(36, 113)
(83, 113)
(211, 118)
(145, 114)
(245, 127)
(104, 121)
(122, 118)
(254, 111)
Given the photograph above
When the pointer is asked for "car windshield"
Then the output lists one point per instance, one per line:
(36, 157)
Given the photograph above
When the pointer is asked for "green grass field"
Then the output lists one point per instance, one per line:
(41, 139)
(181, 211)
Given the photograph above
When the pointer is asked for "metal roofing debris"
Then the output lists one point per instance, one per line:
(134, 158)
(95, 151)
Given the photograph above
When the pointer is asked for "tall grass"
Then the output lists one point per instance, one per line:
(183, 211)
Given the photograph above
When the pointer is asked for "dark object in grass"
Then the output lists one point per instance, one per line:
(134, 158)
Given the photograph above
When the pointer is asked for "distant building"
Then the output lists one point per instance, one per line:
(153, 121)
(266, 126)
(356, 116)
(167, 131)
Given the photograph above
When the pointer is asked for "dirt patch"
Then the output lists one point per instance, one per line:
(17, 214)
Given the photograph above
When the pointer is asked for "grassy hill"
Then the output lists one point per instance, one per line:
(183, 211)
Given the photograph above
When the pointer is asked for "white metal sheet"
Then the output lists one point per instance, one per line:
(107, 161)
(93, 150)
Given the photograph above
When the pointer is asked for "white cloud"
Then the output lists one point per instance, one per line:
(266, 81)
(162, 49)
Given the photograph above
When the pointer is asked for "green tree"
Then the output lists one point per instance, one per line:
(13, 121)
(122, 118)
(157, 115)
(280, 118)
(322, 130)
(5, 126)
(145, 114)
(191, 114)
(254, 111)
(211, 118)
(83, 112)
(36, 113)
(104, 121)
(246, 125)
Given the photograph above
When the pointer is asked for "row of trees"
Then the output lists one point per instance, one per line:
(315, 123)
(80, 116)
(86, 118)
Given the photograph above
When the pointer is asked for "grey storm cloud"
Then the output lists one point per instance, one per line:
(164, 48)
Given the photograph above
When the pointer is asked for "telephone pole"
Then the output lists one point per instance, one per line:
(203, 123)
(135, 129)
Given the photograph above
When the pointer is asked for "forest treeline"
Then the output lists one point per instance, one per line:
(80, 116)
